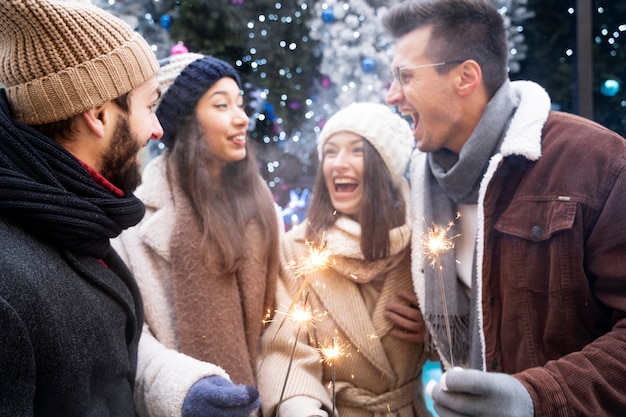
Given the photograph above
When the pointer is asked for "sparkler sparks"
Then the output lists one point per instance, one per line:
(330, 354)
(267, 317)
(435, 242)
(318, 259)
(300, 316)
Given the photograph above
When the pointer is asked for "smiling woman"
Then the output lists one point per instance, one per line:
(363, 294)
(342, 169)
(205, 278)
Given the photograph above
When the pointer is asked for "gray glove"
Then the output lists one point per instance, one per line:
(474, 393)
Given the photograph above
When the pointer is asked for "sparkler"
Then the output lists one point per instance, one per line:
(435, 242)
(300, 316)
(317, 259)
(330, 354)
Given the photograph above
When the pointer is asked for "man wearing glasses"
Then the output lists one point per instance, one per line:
(533, 305)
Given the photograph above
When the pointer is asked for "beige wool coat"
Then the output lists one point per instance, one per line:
(377, 374)
(164, 375)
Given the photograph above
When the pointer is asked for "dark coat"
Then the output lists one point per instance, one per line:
(70, 326)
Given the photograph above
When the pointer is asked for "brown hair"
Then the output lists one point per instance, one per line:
(461, 30)
(382, 207)
(223, 206)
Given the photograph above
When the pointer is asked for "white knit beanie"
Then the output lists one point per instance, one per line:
(59, 58)
(389, 133)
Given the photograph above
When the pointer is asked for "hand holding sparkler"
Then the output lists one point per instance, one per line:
(472, 392)
(318, 259)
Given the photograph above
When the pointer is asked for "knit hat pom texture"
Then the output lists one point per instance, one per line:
(59, 58)
(389, 133)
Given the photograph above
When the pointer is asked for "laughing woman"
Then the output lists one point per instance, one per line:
(363, 301)
(205, 255)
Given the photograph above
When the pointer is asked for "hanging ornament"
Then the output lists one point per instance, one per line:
(179, 48)
(166, 21)
(368, 65)
(610, 88)
(326, 83)
(269, 111)
(328, 16)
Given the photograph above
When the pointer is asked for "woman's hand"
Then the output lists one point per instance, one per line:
(407, 319)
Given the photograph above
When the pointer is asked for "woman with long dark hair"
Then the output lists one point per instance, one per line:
(361, 299)
(205, 255)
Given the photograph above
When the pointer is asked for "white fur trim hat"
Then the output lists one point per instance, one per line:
(389, 133)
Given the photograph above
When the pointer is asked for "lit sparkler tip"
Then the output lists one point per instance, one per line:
(333, 351)
(436, 241)
(318, 259)
(301, 315)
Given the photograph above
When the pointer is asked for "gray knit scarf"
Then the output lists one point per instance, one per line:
(451, 180)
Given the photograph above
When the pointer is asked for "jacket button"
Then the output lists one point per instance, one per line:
(536, 231)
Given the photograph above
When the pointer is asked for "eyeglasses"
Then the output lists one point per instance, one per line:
(403, 78)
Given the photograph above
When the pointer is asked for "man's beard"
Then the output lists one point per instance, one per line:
(119, 164)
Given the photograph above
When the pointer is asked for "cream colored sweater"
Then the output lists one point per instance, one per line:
(378, 374)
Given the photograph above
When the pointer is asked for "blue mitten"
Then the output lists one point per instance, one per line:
(474, 393)
(215, 396)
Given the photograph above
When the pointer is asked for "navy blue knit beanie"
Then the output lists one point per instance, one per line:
(184, 78)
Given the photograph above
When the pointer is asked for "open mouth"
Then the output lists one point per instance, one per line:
(345, 185)
(416, 120)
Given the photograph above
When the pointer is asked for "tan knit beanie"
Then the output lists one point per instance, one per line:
(389, 133)
(59, 58)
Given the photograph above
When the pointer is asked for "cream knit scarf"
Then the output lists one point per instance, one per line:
(344, 239)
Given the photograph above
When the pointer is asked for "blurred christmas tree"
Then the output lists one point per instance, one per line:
(609, 58)
(301, 60)
(552, 56)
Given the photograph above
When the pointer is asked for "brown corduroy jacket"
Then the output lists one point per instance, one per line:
(552, 253)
